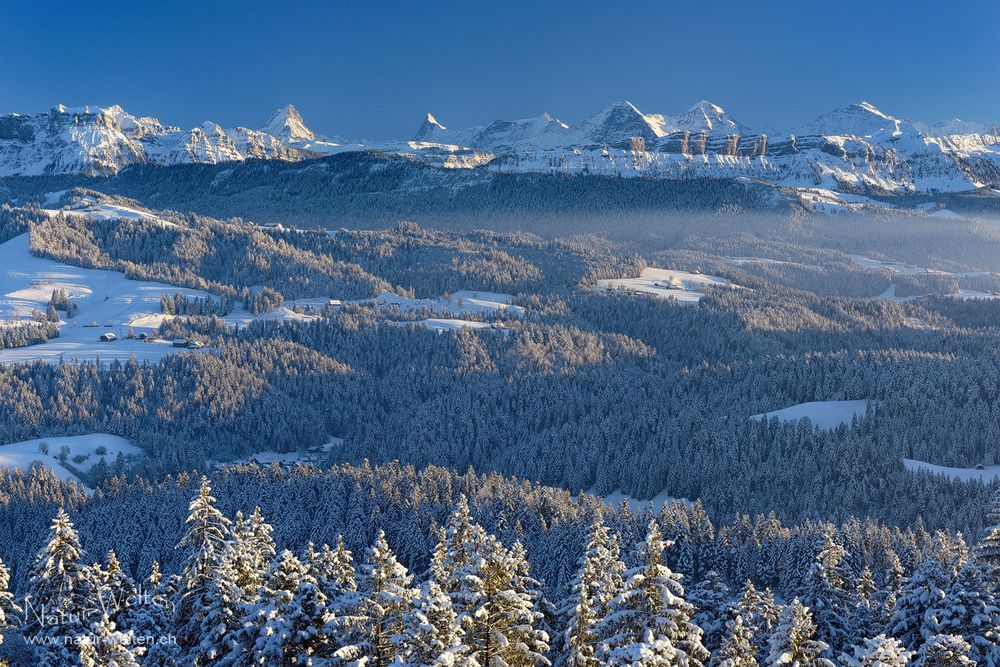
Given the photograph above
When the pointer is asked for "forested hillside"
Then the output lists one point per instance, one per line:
(812, 403)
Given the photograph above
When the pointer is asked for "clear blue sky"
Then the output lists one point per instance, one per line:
(372, 69)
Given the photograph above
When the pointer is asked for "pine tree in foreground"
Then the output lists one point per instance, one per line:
(250, 550)
(825, 594)
(597, 583)
(711, 599)
(289, 626)
(650, 622)
(205, 543)
(333, 569)
(57, 586)
(736, 649)
(924, 590)
(8, 607)
(760, 615)
(945, 651)
(865, 618)
(793, 641)
(968, 610)
(494, 598)
(220, 612)
(387, 596)
(108, 647)
(151, 616)
(432, 636)
(880, 651)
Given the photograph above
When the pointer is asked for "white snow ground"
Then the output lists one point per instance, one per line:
(436, 324)
(105, 298)
(90, 208)
(615, 498)
(986, 475)
(823, 414)
(23, 454)
(461, 302)
(683, 286)
(315, 455)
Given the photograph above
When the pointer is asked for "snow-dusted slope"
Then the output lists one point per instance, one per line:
(683, 286)
(107, 302)
(859, 120)
(85, 451)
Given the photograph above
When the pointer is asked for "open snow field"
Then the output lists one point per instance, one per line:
(315, 455)
(986, 475)
(23, 454)
(436, 324)
(90, 208)
(666, 283)
(105, 298)
(461, 302)
(654, 504)
(823, 414)
(898, 268)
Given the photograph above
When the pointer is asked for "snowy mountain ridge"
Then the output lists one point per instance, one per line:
(856, 149)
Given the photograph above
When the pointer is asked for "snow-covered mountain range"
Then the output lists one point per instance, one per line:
(854, 150)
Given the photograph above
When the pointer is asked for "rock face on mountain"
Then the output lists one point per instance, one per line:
(104, 140)
(855, 150)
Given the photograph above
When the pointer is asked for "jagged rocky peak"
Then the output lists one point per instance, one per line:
(286, 123)
(429, 129)
(708, 117)
(620, 122)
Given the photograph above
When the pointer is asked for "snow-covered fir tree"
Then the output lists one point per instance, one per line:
(650, 621)
(105, 646)
(926, 589)
(945, 651)
(793, 642)
(432, 636)
(989, 547)
(760, 615)
(968, 609)
(56, 605)
(880, 651)
(711, 598)
(114, 587)
(288, 625)
(387, 595)
(250, 550)
(491, 593)
(736, 648)
(598, 581)
(825, 593)
(333, 568)
(221, 608)
(205, 547)
(9, 609)
(866, 617)
(150, 615)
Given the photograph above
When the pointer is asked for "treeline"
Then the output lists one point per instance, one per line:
(230, 257)
(22, 334)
